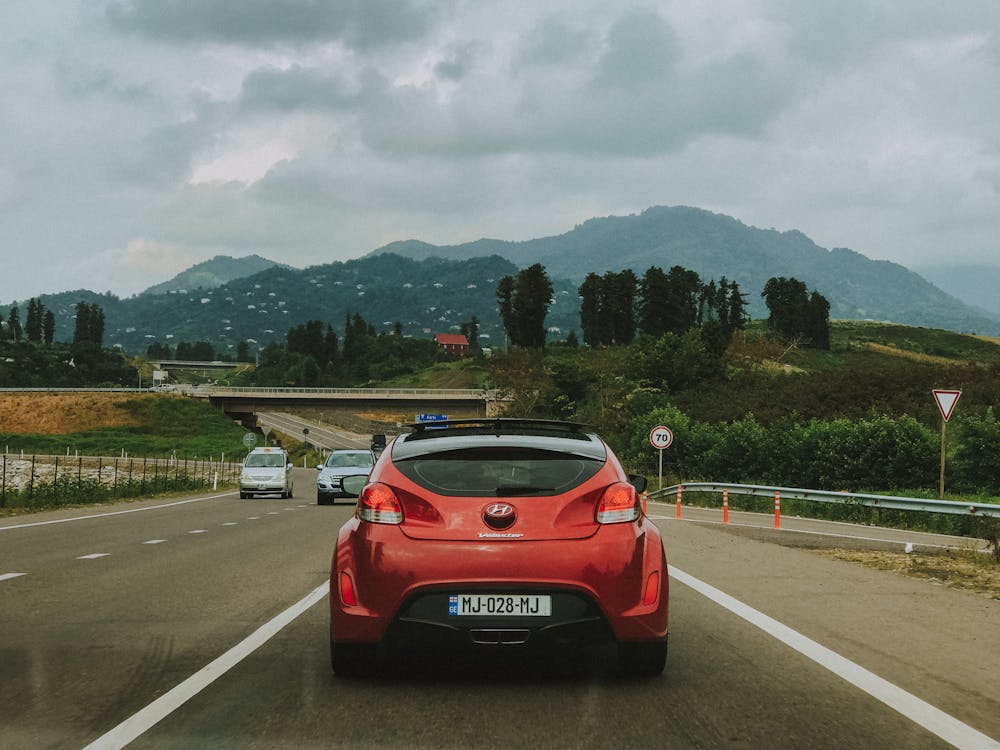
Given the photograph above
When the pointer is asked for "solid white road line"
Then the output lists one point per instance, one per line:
(170, 701)
(115, 513)
(8, 576)
(930, 718)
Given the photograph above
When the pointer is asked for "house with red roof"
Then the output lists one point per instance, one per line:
(452, 344)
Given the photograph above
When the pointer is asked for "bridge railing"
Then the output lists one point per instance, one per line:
(419, 392)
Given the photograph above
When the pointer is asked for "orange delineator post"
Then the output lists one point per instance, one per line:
(645, 502)
(679, 491)
(777, 509)
(725, 506)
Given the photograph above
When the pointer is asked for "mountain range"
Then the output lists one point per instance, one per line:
(716, 245)
(434, 289)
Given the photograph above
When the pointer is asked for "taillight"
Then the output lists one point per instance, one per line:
(379, 504)
(347, 595)
(618, 504)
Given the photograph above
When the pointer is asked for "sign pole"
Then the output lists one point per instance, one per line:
(660, 485)
(944, 423)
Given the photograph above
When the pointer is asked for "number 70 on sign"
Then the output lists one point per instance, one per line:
(661, 437)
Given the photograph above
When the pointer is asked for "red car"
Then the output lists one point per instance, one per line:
(499, 533)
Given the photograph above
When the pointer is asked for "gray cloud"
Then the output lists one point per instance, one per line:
(141, 133)
(359, 23)
(297, 88)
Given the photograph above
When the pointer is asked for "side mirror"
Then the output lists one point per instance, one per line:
(289, 466)
(638, 481)
(352, 485)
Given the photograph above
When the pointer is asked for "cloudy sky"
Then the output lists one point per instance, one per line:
(142, 136)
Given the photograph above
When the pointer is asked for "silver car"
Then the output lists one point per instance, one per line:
(266, 471)
(339, 465)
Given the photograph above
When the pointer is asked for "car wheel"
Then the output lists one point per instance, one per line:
(244, 495)
(352, 659)
(642, 659)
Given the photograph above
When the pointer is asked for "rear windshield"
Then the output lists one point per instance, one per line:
(261, 460)
(345, 460)
(499, 472)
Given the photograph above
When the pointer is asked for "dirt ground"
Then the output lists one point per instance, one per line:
(63, 413)
(961, 570)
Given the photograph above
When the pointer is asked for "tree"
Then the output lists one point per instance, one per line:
(524, 303)
(471, 332)
(156, 350)
(818, 317)
(33, 322)
(89, 324)
(48, 327)
(590, 309)
(505, 300)
(653, 292)
(619, 296)
(736, 317)
(309, 339)
(683, 292)
(795, 313)
(14, 324)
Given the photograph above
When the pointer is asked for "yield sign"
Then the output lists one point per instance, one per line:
(946, 401)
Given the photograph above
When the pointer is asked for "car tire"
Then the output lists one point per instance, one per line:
(643, 658)
(352, 659)
(244, 495)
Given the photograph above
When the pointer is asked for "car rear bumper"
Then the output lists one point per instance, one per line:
(402, 586)
(262, 487)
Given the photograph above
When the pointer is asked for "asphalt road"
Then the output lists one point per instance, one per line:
(88, 642)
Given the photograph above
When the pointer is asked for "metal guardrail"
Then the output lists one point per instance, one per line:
(422, 392)
(843, 498)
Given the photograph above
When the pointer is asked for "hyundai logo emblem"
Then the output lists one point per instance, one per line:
(499, 515)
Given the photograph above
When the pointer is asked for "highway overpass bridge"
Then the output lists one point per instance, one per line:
(243, 403)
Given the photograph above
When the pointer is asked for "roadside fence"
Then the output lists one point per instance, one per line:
(38, 481)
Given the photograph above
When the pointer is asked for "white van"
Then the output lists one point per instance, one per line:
(266, 471)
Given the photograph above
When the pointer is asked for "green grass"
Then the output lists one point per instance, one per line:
(464, 373)
(185, 427)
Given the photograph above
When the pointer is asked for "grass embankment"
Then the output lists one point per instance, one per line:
(112, 423)
(137, 445)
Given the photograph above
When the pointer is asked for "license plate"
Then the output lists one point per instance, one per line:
(499, 605)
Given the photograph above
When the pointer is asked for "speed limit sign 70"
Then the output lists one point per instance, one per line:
(661, 437)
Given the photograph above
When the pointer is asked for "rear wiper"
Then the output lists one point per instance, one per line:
(520, 489)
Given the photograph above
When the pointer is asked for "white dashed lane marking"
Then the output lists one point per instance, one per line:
(198, 531)
(230, 523)
(8, 576)
(155, 541)
(93, 556)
